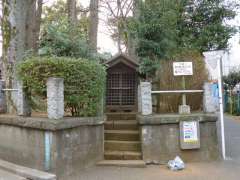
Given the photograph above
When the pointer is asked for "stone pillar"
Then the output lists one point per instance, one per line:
(55, 98)
(2, 98)
(139, 99)
(146, 98)
(23, 106)
(210, 103)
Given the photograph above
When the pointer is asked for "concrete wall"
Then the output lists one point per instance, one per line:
(161, 141)
(62, 147)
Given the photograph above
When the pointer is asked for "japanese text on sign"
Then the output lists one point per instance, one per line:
(190, 133)
(182, 68)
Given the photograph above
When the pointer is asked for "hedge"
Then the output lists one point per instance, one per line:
(84, 81)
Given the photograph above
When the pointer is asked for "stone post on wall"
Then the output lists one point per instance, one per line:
(146, 98)
(23, 106)
(55, 98)
(210, 103)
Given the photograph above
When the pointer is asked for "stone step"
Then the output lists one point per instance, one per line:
(122, 135)
(121, 116)
(123, 163)
(111, 145)
(121, 125)
(122, 155)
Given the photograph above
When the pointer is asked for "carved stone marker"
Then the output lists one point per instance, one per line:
(210, 103)
(23, 107)
(146, 98)
(55, 98)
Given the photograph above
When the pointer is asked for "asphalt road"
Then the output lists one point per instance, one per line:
(232, 135)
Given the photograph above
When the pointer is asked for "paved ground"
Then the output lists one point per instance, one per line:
(223, 170)
(232, 134)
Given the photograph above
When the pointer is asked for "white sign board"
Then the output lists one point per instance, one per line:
(182, 69)
(190, 132)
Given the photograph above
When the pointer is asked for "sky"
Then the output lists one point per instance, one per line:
(105, 43)
(231, 59)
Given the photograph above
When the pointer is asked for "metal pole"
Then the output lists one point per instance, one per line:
(184, 98)
(221, 107)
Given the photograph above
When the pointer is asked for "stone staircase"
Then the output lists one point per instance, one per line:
(122, 139)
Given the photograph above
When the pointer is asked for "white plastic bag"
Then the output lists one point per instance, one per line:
(176, 164)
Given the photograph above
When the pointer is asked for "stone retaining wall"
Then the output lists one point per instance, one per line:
(161, 141)
(62, 146)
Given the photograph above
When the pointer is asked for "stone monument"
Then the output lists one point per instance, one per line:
(55, 98)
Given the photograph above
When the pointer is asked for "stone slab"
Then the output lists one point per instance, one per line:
(25, 172)
(4, 175)
(50, 124)
(174, 118)
(123, 163)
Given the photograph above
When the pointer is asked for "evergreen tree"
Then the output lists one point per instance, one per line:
(165, 28)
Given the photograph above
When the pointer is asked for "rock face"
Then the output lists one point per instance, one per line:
(55, 98)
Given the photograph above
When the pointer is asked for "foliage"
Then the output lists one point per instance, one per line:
(84, 81)
(59, 38)
(232, 102)
(203, 25)
(156, 33)
(232, 79)
(57, 14)
(165, 28)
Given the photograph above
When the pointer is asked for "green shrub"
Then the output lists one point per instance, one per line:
(84, 81)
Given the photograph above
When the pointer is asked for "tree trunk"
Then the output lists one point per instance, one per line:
(131, 42)
(38, 24)
(34, 14)
(31, 24)
(14, 30)
(72, 12)
(93, 25)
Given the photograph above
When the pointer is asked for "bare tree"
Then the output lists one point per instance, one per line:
(93, 24)
(119, 12)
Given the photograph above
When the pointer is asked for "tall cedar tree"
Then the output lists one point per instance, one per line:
(164, 28)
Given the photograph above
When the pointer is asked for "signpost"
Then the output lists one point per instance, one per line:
(214, 59)
(183, 69)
